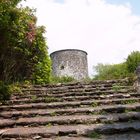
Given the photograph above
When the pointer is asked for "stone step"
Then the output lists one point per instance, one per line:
(48, 99)
(71, 111)
(104, 83)
(68, 138)
(94, 82)
(74, 104)
(53, 138)
(67, 94)
(124, 136)
(65, 130)
(76, 89)
(69, 120)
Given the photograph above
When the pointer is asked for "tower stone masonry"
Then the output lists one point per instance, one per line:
(70, 62)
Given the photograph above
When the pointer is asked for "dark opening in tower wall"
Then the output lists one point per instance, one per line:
(62, 67)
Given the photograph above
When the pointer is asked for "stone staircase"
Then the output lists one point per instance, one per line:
(106, 110)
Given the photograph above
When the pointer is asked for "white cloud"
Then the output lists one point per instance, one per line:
(107, 32)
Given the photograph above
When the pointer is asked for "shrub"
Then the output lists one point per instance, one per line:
(23, 49)
(15, 88)
(108, 71)
(63, 79)
(4, 92)
(132, 61)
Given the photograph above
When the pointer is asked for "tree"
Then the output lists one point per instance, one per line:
(122, 70)
(23, 50)
(132, 61)
(108, 71)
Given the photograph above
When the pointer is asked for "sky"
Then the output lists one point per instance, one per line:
(108, 30)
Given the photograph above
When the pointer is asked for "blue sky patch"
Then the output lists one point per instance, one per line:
(59, 1)
(134, 3)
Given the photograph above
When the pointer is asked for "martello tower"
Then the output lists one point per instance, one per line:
(70, 62)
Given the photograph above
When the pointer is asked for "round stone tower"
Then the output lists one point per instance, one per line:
(70, 62)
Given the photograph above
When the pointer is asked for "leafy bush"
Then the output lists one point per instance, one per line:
(23, 50)
(63, 79)
(15, 88)
(107, 71)
(117, 71)
(4, 92)
(132, 61)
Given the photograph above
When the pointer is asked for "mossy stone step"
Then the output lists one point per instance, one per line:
(65, 130)
(50, 99)
(71, 111)
(58, 95)
(74, 104)
(60, 91)
(69, 120)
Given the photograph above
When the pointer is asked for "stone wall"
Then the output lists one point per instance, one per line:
(70, 62)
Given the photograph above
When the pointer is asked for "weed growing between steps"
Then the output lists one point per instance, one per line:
(7, 89)
(94, 104)
(131, 101)
(116, 87)
(63, 79)
(94, 135)
(4, 92)
(48, 125)
(33, 98)
(50, 99)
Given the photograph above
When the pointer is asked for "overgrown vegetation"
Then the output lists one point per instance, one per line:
(116, 87)
(7, 89)
(118, 71)
(63, 79)
(23, 50)
(133, 61)
(4, 92)
(94, 135)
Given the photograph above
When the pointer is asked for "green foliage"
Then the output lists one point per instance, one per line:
(50, 99)
(94, 104)
(116, 87)
(107, 71)
(118, 71)
(87, 80)
(95, 135)
(4, 92)
(132, 61)
(63, 79)
(34, 97)
(15, 88)
(130, 101)
(23, 50)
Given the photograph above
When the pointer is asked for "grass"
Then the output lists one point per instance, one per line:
(101, 112)
(126, 110)
(108, 122)
(116, 87)
(131, 101)
(63, 79)
(94, 135)
(53, 114)
(48, 125)
(34, 97)
(50, 99)
(94, 104)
